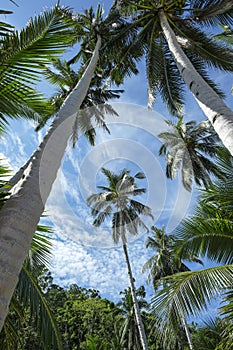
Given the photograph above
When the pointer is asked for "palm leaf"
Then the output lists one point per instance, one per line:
(30, 293)
(23, 60)
(188, 293)
(212, 12)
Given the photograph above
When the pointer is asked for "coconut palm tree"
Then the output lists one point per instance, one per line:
(189, 147)
(207, 233)
(94, 106)
(115, 201)
(29, 296)
(165, 262)
(18, 225)
(178, 51)
(129, 327)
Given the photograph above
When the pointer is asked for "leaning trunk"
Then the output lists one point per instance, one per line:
(135, 303)
(21, 213)
(220, 116)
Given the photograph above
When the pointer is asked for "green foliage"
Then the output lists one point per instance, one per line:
(23, 57)
(186, 18)
(191, 149)
(206, 233)
(93, 108)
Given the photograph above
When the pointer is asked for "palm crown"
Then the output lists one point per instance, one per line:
(186, 19)
(116, 200)
(189, 148)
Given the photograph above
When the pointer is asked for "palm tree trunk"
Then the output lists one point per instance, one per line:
(22, 211)
(187, 332)
(135, 302)
(220, 116)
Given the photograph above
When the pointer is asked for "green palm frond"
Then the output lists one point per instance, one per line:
(226, 311)
(32, 296)
(208, 232)
(5, 28)
(23, 59)
(40, 251)
(213, 53)
(188, 293)
(207, 236)
(211, 12)
(9, 338)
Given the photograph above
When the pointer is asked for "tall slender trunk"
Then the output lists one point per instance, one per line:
(220, 116)
(135, 302)
(22, 211)
(187, 332)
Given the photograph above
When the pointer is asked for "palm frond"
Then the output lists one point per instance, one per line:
(212, 12)
(207, 233)
(188, 293)
(23, 60)
(5, 28)
(31, 295)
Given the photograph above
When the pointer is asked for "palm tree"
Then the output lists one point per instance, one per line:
(115, 201)
(94, 106)
(21, 213)
(165, 262)
(176, 47)
(188, 148)
(29, 296)
(129, 327)
(206, 233)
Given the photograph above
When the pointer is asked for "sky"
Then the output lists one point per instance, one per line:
(83, 254)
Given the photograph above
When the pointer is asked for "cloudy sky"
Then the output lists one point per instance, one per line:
(83, 254)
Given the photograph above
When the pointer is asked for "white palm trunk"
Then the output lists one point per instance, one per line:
(21, 213)
(187, 332)
(135, 303)
(220, 116)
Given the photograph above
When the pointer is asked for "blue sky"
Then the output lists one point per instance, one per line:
(84, 255)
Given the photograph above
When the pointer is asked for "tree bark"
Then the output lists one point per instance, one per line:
(220, 116)
(22, 211)
(135, 302)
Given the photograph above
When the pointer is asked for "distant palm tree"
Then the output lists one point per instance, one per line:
(188, 148)
(165, 262)
(129, 327)
(115, 201)
(207, 233)
(94, 105)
